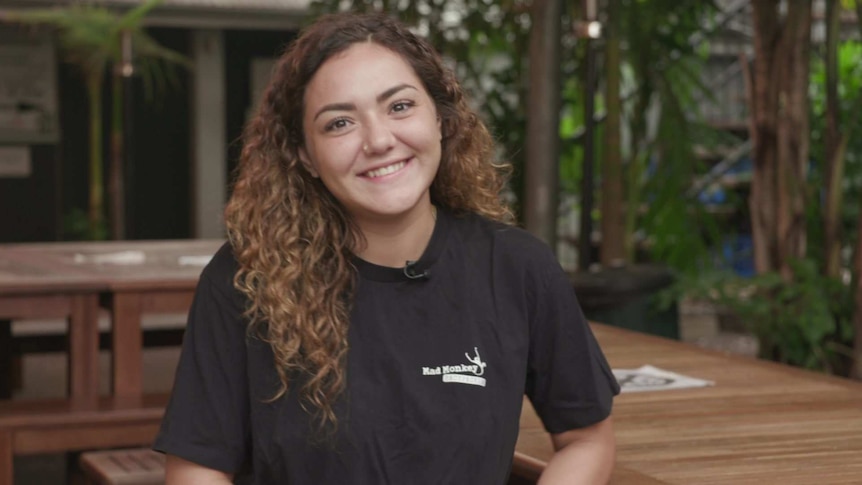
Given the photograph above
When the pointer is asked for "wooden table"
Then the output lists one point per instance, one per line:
(130, 278)
(164, 283)
(32, 288)
(760, 423)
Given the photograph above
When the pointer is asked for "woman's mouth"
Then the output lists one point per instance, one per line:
(383, 171)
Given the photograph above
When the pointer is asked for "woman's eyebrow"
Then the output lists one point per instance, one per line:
(350, 106)
(393, 90)
(334, 107)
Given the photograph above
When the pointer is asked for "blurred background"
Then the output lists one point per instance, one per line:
(696, 165)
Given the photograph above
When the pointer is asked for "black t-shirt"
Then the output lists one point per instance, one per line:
(436, 370)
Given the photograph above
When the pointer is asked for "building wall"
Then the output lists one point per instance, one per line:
(29, 133)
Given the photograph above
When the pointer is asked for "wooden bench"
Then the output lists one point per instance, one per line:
(63, 425)
(136, 466)
(41, 336)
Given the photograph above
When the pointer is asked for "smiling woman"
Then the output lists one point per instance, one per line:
(375, 318)
(373, 137)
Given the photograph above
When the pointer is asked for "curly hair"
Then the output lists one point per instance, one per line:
(294, 241)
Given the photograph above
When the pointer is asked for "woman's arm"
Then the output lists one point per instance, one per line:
(584, 456)
(184, 472)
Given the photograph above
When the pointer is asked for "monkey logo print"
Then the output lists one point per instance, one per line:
(461, 373)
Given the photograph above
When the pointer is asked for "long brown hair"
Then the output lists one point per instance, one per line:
(294, 241)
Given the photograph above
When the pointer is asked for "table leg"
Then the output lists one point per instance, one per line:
(83, 351)
(6, 367)
(6, 457)
(126, 354)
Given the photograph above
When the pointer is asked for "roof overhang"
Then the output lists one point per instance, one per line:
(203, 14)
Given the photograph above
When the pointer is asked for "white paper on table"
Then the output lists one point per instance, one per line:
(119, 257)
(194, 260)
(649, 378)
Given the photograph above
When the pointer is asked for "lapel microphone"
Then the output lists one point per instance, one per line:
(413, 273)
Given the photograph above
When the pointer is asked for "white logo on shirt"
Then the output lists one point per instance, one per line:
(460, 373)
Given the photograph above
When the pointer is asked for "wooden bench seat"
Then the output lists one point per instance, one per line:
(61, 425)
(136, 466)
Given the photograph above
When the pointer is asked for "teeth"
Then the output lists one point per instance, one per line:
(386, 170)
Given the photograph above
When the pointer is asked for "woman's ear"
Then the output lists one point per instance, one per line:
(307, 163)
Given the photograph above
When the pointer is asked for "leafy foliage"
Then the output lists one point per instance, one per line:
(803, 322)
(77, 227)
(662, 62)
(850, 101)
(806, 320)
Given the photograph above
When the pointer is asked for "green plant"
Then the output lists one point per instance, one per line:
(665, 64)
(91, 38)
(849, 91)
(77, 227)
(806, 319)
(661, 56)
(804, 322)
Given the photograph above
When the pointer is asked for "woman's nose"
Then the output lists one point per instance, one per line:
(378, 137)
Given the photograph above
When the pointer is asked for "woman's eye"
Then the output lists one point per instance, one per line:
(336, 124)
(401, 106)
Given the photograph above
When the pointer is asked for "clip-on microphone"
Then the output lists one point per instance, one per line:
(411, 272)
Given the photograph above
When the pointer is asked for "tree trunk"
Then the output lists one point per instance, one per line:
(96, 207)
(613, 225)
(116, 172)
(779, 106)
(835, 145)
(543, 122)
(588, 76)
(856, 370)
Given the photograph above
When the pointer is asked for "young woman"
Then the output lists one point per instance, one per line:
(374, 319)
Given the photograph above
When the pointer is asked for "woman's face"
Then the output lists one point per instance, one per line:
(371, 133)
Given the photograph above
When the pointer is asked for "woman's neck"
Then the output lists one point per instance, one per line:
(392, 243)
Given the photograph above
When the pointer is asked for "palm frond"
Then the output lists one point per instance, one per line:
(147, 47)
(134, 17)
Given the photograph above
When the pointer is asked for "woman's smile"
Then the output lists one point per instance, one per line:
(385, 170)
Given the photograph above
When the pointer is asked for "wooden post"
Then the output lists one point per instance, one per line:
(543, 123)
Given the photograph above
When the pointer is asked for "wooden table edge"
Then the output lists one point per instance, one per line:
(757, 362)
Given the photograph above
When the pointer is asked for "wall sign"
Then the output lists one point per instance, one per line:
(15, 162)
(28, 86)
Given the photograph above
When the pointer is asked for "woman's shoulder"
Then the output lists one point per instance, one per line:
(507, 241)
(222, 268)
